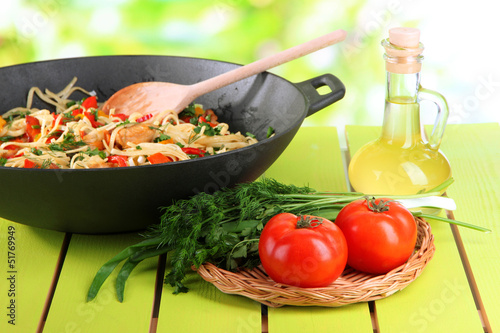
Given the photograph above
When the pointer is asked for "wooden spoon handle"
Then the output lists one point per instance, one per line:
(266, 63)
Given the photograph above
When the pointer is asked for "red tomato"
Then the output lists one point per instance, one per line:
(303, 251)
(381, 234)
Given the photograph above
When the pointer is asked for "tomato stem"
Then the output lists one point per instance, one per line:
(308, 222)
(380, 207)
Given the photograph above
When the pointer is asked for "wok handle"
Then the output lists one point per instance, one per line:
(317, 101)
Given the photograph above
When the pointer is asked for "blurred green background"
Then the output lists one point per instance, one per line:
(460, 58)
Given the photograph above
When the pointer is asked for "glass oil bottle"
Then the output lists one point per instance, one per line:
(402, 161)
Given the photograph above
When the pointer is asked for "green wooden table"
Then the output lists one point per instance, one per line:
(46, 274)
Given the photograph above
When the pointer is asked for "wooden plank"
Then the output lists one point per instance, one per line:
(474, 154)
(440, 299)
(349, 318)
(314, 158)
(69, 311)
(33, 257)
(206, 309)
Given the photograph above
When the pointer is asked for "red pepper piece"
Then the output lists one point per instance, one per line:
(194, 151)
(122, 116)
(144, 118)
(158, 158)
(32, 128)
(92, 119)
(202, 119)
(29, 164)
(118, 159)
(90, 102)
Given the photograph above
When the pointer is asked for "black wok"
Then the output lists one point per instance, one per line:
(128, 199)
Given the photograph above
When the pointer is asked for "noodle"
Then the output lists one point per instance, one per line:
(78, 135)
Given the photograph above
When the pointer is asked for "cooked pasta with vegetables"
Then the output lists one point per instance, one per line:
(79, 135)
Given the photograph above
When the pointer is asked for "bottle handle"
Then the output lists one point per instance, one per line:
(442, 115)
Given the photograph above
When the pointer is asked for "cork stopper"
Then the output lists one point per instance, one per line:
(403, 51)
(404, 37)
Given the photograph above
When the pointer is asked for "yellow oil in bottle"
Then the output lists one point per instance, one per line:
(399, 161)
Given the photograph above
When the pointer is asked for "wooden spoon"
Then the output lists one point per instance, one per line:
(155, 97)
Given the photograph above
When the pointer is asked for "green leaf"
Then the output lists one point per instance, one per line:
(123, 275)
(459, 223)
(270, 131)
(240, 252)
(238, 226)
(104, 272)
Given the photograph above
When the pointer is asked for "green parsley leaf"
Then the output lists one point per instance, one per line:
(70, 104)
(189, 111)
(3, 160)
(36, 151)
(68, 143)
(7, 138)
(123, 123)
(270, 131)
(56, 147)
(162, 137)
(94, 113)
(95, 151)
(209, 130)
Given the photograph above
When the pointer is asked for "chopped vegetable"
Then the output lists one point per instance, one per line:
(122, 116)
(90, 102)
(95, 151)
(158, 158)
(93, 117)
(36, 151)
(32, 128)
(162, 137)
(122, 161)
(270, 132)
(29, 164)
(2, 123)
(69, 142)
(203, 120)
(144, 118)
(194, 151)
(188, 113)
